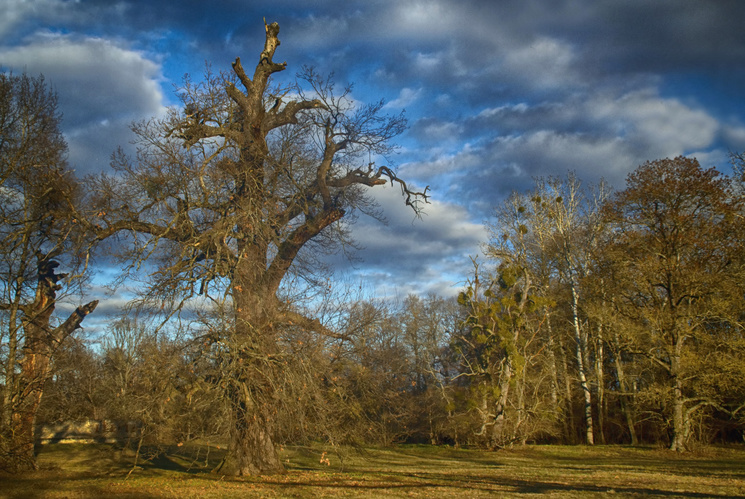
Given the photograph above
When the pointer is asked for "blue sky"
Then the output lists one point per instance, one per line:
(496, 92)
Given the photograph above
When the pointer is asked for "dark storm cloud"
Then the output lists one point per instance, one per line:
(665, 35)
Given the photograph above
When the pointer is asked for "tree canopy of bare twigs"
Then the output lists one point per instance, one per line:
(37, 236)
(227, 196)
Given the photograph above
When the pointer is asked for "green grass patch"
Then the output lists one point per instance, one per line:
(88, 471)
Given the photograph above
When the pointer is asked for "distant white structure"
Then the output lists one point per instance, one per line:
(88, 431)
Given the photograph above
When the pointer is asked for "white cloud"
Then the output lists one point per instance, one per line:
(406, 97)
(734, 136)
(441, 164)
(313, 30)
(97, 77)
(102, 87)
(15, 12)
(663, 127)
(498, 111)
(428, 62)
(545, 63)
(443, 131)
(598, 134)
(430, 18)
(548, 152)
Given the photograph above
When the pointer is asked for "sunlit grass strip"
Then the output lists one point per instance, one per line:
(79, 471)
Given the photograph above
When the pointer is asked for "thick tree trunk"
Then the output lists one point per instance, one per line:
(497, 434)
(35, 371)
(252, 450)
(252, 396)
(679, 425)
(252, 447)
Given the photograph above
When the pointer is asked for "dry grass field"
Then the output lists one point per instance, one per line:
(93, 471)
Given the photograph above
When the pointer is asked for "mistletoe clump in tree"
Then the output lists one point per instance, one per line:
(232, 194)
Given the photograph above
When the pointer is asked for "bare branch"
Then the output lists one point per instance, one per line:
(241, 73)
(288, 114)
(294, 318)
(414, 199)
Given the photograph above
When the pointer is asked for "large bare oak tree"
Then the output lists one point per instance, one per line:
(230, 195)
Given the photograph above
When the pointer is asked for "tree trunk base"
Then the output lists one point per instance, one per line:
(252, 453)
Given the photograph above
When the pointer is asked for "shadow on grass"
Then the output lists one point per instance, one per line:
(33, 488)
(100, 471)
(382, 482)
(571, 474)
(189, 459)
(717, 462)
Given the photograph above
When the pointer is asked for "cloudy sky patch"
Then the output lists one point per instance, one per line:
(496, 93)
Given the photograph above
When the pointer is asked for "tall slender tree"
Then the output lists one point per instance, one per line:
(567, 229)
